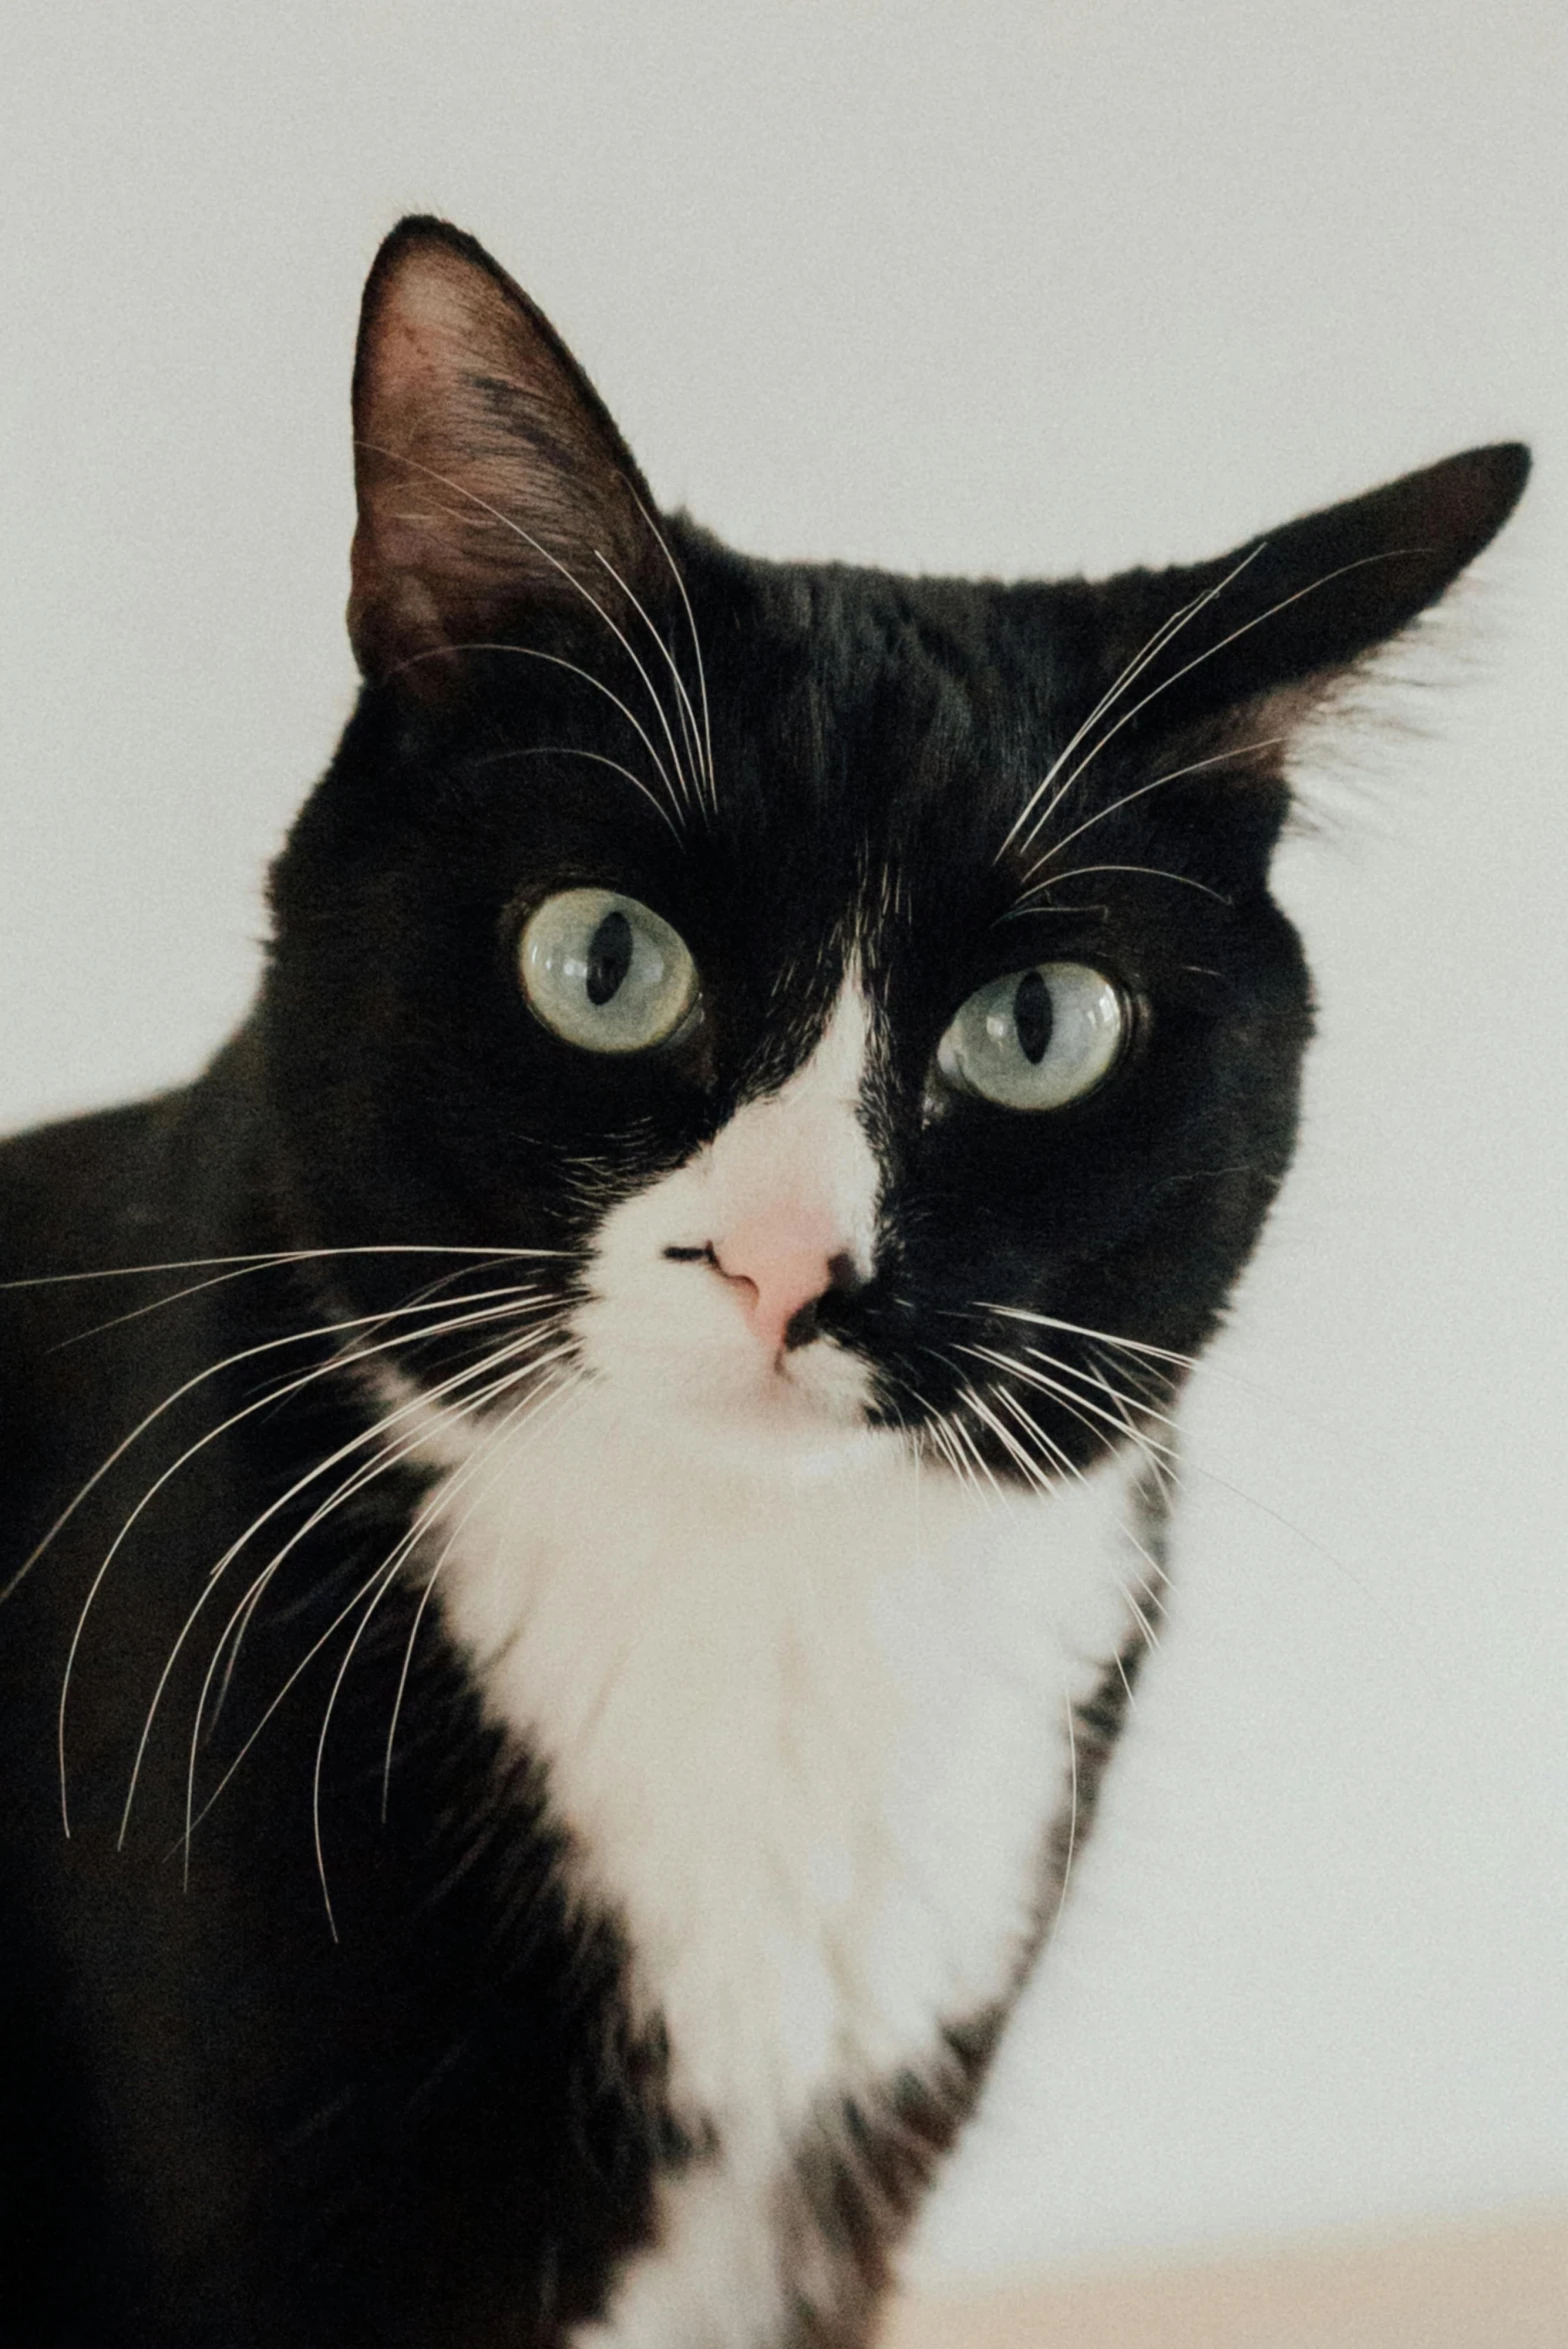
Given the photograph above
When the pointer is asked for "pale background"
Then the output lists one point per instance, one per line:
(1029, 288)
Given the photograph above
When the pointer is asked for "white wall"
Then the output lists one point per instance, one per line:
(1018, 288)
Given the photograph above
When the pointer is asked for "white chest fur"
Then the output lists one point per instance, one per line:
(808, 1729)
(805, 1708)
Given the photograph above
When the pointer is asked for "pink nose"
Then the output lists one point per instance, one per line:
(776, 1264)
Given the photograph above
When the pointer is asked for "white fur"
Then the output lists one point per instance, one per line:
(804, 1705)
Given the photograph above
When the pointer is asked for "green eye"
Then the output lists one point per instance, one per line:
(605, 972)
(1036, 1039)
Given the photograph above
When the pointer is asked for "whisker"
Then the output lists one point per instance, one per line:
(1325, 579)
(1146, 1631)
(1128, 676)
(481, 1263)
(264, 1258)
(696, 642)
(1124, 1402)
(531, 1408)
(962, 1436)
(378, 1586)
(344, 1492)
(215, 1573)
(1033, 1471)
(1079, 1405)
(684, 710)
(935, 1430)
(270, 1397)
(194, 1818)
(1219, 758)
(507, 522)
(1057, 1452)
(359, 1478)
(1133, 1598)
(569, 750)
(507, 1312)
(1121, 1669)
(1078, 1329)
(531, 652)
(1078, 872)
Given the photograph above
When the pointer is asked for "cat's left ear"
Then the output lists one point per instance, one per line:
(492, 485)
(1288, 614)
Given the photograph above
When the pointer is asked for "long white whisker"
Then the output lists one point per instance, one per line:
(1142, 1602)
(531, 652)
(942, 1436)
(569, 750)
(1078, 1329)
(219, 1280)
(496, 513)
(323, 1467)
(214, 1370)
(962, 1436)
(696, 642)
(512, 1312)
(684, 710)
(194, 1821)
(1133, 1599)
(1161, 1459)
(1126, 678)
(1174, 775)
(1122, 1672)
(271, 1256)
(1034, 1474)
(368, 1472)
(346, 1491)
(940, 1433)
(1077, 873)
(379, 1585)
(1326, 579)
(1137, 1400)
(531, 1408)
(1058, 1452)
(1079, 1405)
(268, 1399)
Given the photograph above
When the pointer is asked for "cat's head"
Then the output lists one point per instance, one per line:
(862, 991)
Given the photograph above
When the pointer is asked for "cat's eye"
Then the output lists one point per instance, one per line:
(1036, 1039)
(606, 973)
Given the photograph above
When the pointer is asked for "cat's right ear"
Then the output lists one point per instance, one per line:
(1296, 610)
(492, 484)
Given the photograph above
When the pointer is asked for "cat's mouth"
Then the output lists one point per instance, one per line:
(807, 1391)
(677, 1348)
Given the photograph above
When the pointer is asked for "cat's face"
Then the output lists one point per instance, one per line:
(863, 992)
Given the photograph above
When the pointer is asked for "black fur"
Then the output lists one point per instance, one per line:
(225, 2123)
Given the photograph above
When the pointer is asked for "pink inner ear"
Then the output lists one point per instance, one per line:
(776, 1262)
(490, 477)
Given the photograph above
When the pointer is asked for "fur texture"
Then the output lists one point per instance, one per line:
(573, 1594)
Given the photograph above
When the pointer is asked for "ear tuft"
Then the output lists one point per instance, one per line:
(490, 478)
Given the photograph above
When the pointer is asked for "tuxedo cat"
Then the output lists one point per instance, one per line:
(581, 1510)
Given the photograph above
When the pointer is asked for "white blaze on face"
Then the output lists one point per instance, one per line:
(803, 1710)
(777, 1209)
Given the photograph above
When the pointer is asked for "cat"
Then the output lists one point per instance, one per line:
(581, 1511)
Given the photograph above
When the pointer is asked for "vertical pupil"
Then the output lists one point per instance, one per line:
(609, 957)
(1032, 1016)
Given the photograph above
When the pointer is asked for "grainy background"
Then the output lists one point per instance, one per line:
(1006, 288)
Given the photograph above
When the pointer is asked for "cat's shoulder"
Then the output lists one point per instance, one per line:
(69, 1190)
(133, 1185)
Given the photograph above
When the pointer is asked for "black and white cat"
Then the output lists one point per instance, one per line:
(580, 1511)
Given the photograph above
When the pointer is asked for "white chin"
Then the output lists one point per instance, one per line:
(805, 1411)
